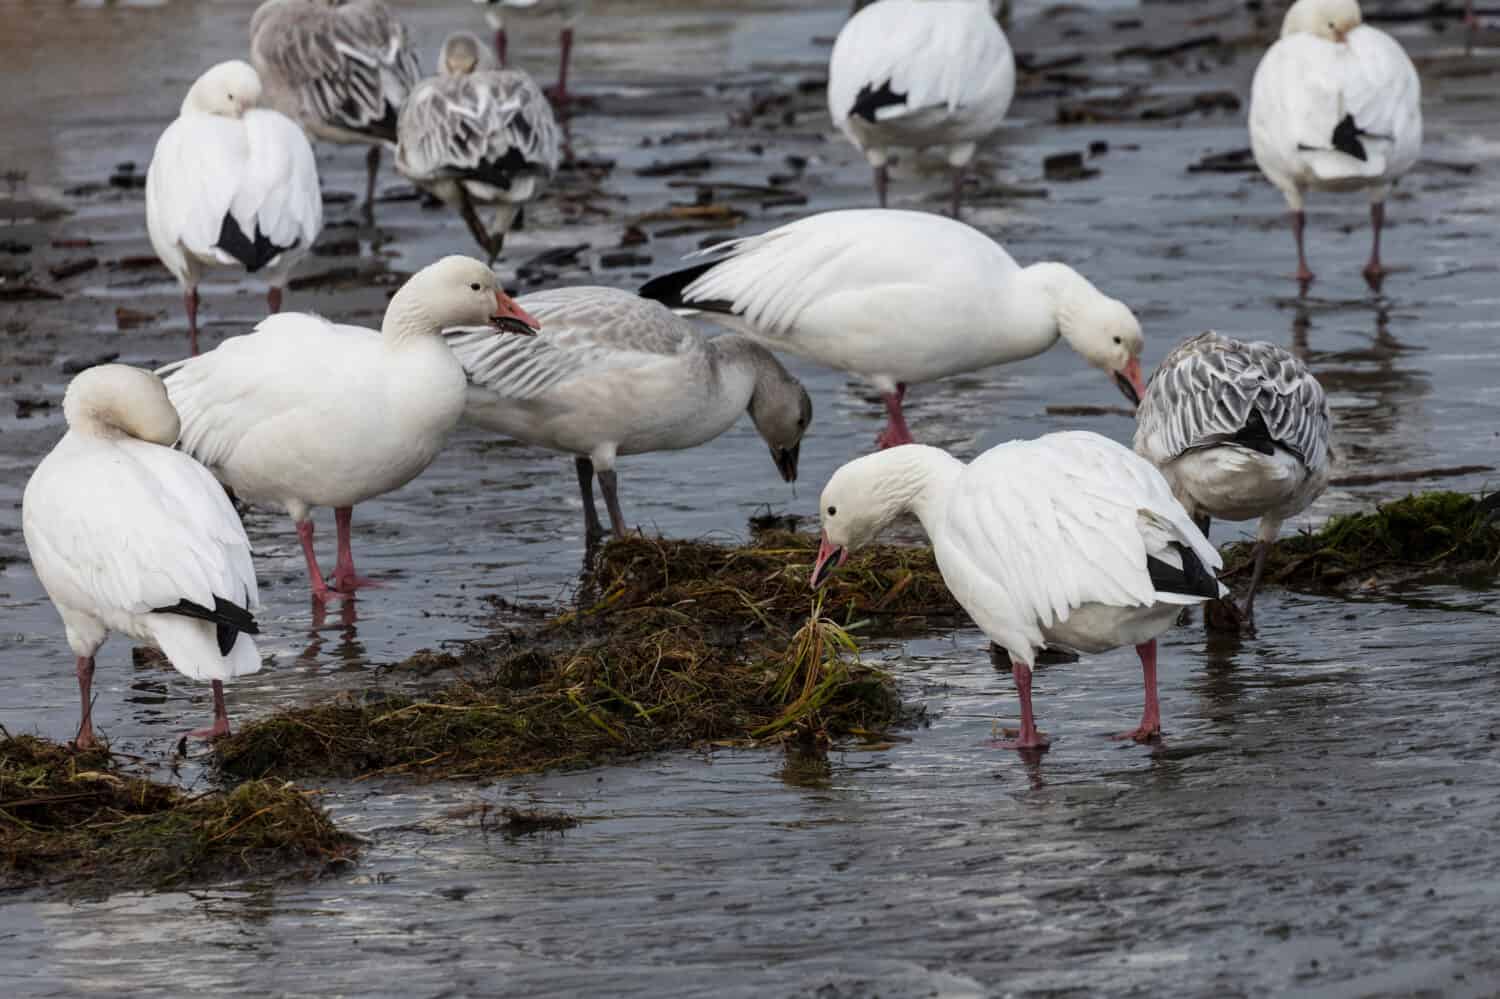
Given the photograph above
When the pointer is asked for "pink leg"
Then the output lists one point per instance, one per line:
(882, 184)
(190, 300)
(320, 590)
(1305, 276)
(501, 46)
(895, 432)
(1150, 726)
(559, 93)
(221, 717)
(85, 738)
(273, 301)
(344, 578)
(1374, 272)
(1030, 738)
(1472, 23)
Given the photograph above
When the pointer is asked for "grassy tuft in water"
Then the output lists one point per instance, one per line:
(67, 815)
(1420, 536)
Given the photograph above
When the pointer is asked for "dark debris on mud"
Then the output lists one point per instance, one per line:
(74, 815)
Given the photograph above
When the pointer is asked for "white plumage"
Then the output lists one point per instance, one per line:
(480, 139)
(303, 413)
(123, 530)
(616, 375)
(1240, 430)
(920, 74)
(1336, 105)
(340, 69)
(1068, 540)
(231, 185)
(899, 298)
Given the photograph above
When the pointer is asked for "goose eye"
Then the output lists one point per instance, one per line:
(833, 511)
(474, 286)
(1117, 340)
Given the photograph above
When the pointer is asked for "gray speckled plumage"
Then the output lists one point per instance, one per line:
(1205, 391)
(490, 126)
(342, 71)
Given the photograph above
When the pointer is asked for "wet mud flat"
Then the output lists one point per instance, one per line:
(1318, 818)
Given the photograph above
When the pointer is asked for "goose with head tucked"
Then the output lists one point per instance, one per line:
(231, 184)
(131, 536)
(342, 69)
(480, 139)
(921, 74)
(618, 375)
(1240, 430)
(901, 297)
(303, 413)
(1067, 541)
(1335, 105)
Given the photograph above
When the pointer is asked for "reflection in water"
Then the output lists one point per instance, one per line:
(349, 651)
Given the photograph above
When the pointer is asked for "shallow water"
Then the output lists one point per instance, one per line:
(1318, 820)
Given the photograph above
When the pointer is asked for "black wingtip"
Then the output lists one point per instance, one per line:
(1192, 580)
(869, 101)
(668, 289)
(229, 619)
(254, 253)
(1255, 435)
(1346, 138)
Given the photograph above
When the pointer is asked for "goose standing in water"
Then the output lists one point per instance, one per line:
(899, 298)
(128, 535)
(617, 375)
(480, 139)
(571, 12)
(303, 413)
(342, 70)
(1240, 430)
(1336, 105)
(920, 74)
(1069, 540)
(231, 184)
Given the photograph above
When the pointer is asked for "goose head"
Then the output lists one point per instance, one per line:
(463, 53)
(781, 411)
(1327, 19)
(228, 89)
(455, 291)
(1103, 331)
(115, 400)
(859, 501)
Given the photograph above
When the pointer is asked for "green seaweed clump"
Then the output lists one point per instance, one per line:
(67, 815)
(1420, 537)
(674, 685)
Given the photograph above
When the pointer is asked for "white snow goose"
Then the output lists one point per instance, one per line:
(480, 139)
(921, 74)
(303, 413)
(901, 297)
(341, 69)
(128, 535)
(618, 375)
(1336, 105)
(231, 185)
(571, 11)
(1066, 541)
(1240, 430)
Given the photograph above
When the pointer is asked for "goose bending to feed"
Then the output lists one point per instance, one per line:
(1069, 540)
(341, 69)
(899, 298)
(478, 138)
(128, 535)
(1336, 105)
(231, 185)
(617, 375)
(921, 74)
(1240, 430)
(571, 11)
(303, 413)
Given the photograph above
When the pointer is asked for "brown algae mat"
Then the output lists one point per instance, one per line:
(1425, 537)
(69, 815)
(676, 644)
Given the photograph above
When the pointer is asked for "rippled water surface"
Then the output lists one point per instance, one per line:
(1320, 819)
